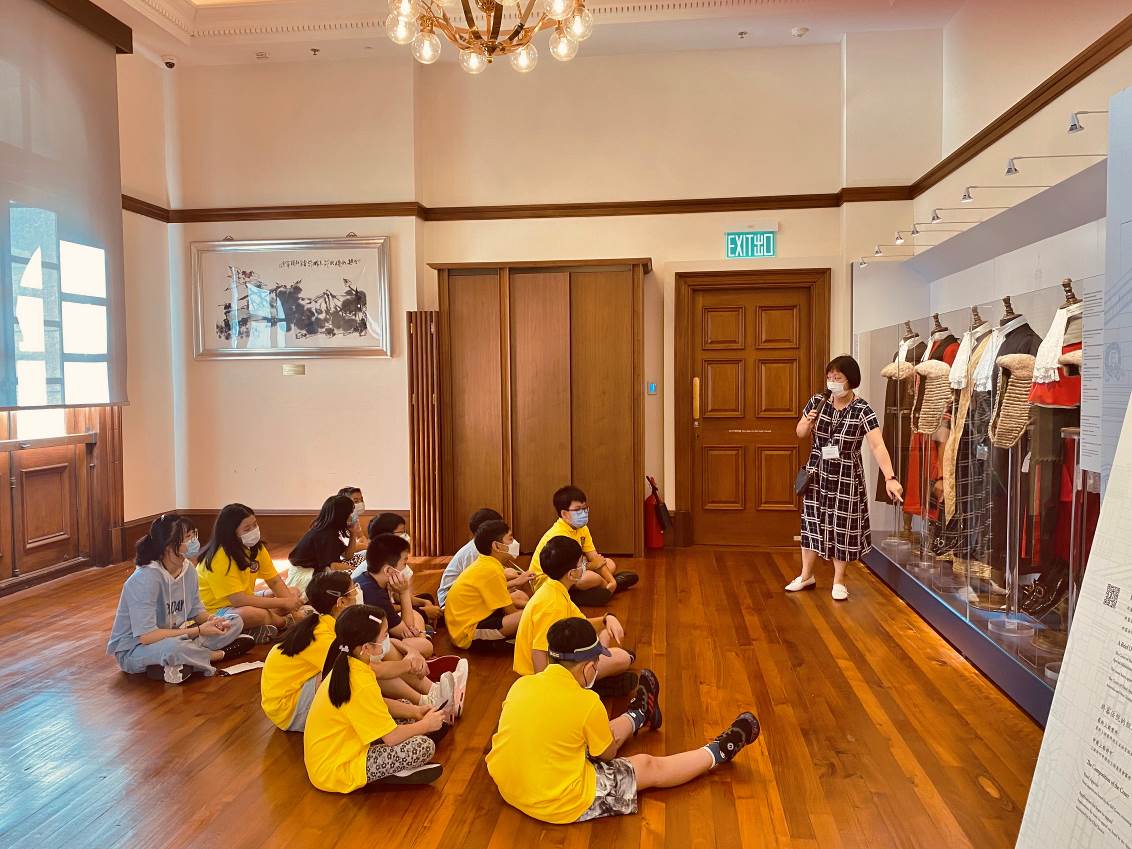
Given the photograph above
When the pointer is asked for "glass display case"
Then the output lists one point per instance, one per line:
(981, 414)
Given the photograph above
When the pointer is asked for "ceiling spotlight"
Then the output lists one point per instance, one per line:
(1012, 167)
(862, 263)
(899, 238)
(799, 32)
(1075, 125)
(878, 251)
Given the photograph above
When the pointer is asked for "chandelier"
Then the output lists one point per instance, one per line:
(477, 29)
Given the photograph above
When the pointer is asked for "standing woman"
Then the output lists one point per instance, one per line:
(326, 545)
(835, 507)
(228, 568)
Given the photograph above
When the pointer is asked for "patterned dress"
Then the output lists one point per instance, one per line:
(835, 510)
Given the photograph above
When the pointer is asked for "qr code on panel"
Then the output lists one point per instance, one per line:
(1111, 595)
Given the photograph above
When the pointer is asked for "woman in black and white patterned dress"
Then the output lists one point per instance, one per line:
(835, 508)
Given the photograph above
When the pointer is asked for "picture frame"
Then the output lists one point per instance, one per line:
(291, 298)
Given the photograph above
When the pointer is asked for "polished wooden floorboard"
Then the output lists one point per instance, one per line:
(876, 733)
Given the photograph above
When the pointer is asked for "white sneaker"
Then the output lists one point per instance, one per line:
(798, 584)
(448, 696)
(460, 683)
(840, 593)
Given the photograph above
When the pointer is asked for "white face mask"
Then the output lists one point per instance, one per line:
(385, 646)
(589, 685)
(357, 514)
(251, 537)
(836, 388)
(513, 548)
(405, 536)
(407, 573)
(357, 596)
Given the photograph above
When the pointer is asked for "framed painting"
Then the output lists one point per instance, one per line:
(291, 298)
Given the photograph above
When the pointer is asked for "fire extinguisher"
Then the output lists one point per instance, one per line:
(657, 518)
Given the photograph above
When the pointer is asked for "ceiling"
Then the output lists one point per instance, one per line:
(218, 32)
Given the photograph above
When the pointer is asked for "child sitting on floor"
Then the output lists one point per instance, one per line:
(161, 627)
(388, 574)
(479, 610)
(550, 722)
(563, 565)
(327, 544)
(602, 579)
(351, 738)
(518, 580)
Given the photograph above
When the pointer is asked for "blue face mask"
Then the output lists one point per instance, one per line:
(579, 518)
(193, 548)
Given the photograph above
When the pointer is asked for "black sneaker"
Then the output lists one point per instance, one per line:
(264, 634)
(238, 647)
(617, 685)
(742, 732)
(425, 774)
(170, 674)
(647, 698)
(624, 580)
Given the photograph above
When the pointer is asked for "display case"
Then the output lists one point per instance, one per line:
(982, 420)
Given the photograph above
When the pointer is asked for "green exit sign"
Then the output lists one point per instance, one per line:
(751, 244)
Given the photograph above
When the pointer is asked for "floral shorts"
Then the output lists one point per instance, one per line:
(616, 790)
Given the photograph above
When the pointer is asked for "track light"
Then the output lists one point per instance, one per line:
(899, 238)
(1075, 125)
(968, 198)
(1012, 167)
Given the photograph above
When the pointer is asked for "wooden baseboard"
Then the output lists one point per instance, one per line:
(42, 576)
(277, 526)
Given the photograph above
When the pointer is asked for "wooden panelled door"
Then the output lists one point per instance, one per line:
(753, 348)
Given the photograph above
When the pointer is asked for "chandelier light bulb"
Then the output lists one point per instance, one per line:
(899, 238)
(580, 25)
(403, 8)
(426, 47)
(524, 59)
(473, 61)
(400, 30)
(562, 47)
(560, 10)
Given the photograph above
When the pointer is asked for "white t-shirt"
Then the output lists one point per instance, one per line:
(460, 561)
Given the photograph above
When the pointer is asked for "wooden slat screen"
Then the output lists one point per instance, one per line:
(424, 433)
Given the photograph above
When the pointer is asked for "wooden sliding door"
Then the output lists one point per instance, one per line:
(542, 386)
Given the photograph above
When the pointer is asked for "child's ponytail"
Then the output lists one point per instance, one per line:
(355, 627)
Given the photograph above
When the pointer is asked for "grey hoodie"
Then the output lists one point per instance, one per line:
(151, 599)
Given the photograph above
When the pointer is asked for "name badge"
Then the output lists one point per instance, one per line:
(830, 452)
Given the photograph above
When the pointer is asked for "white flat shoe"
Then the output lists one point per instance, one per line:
(798, 584)
(840, 593)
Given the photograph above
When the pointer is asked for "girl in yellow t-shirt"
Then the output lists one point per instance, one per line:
(351, 739)
(293, 669)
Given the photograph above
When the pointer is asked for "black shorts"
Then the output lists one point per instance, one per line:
(492, 622)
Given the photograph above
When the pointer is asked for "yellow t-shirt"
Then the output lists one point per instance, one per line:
(562, 528)
(283, 676)
(538, 754)
(479, 589)
(550, 603)
(337, 739)
(225, 578)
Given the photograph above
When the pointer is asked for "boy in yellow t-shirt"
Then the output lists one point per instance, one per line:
(602, 579)
(550, 722)
(563, 565)
(479, 610)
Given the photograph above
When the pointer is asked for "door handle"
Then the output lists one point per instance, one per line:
(695, 400)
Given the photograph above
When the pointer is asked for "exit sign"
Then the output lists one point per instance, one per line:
(751, 244)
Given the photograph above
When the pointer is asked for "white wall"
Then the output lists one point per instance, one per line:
(891, 106)
(995, 51)
(637, 127)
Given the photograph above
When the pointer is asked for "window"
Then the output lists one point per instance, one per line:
(61, 314)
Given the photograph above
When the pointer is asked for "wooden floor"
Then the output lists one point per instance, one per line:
(875, 733)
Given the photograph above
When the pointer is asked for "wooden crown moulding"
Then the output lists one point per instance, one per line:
(97, 21)
(615, 262)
